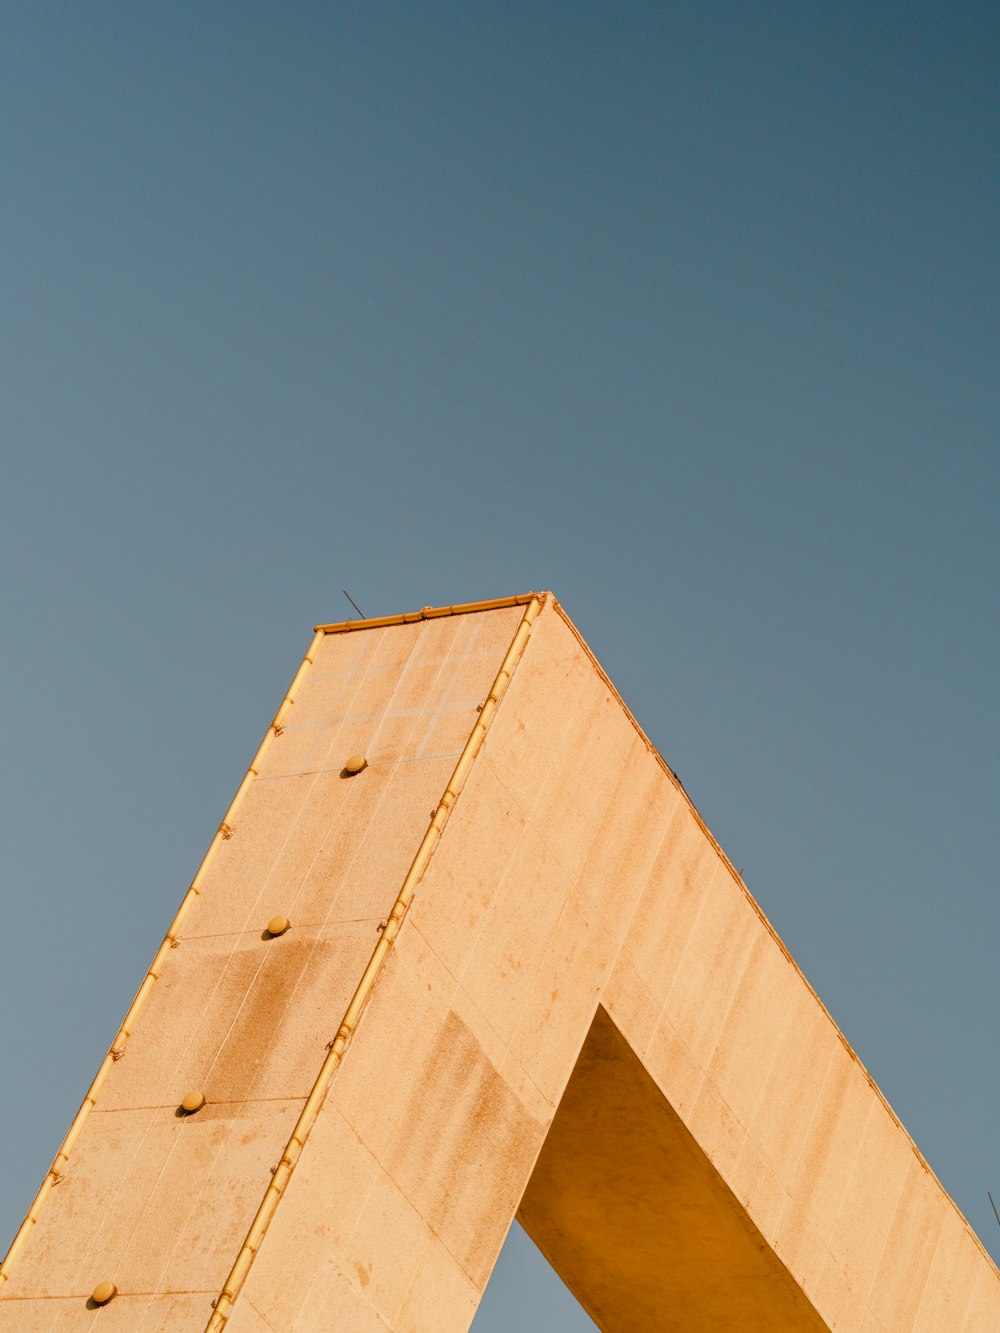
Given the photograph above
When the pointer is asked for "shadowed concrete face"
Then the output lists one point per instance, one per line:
(391, 1077)
(635, 1219)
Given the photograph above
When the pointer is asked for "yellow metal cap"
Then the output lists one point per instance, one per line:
(278, 925)
(355, 763)
(103, 1293)
(193, 1101)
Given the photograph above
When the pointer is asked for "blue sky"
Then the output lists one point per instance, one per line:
(687, 312)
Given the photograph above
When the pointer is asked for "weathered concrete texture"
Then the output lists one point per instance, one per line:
(584, 1015)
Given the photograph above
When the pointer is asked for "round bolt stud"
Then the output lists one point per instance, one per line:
(103, 1292)
(193, 1101)
(278, 925)
(355, 763)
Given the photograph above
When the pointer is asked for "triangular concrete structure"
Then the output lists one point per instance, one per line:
(519, 975)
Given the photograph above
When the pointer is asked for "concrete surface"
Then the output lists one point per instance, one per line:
(585, 1016)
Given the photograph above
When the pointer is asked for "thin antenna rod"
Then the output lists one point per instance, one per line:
(362, 615)
(995, 1213)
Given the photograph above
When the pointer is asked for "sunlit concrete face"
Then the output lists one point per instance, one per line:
(574, 918)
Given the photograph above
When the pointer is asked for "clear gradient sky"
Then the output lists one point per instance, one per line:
(685, 311)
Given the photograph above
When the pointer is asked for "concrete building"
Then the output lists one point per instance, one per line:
(463, 948)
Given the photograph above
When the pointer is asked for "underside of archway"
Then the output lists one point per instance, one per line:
(635, 1219)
